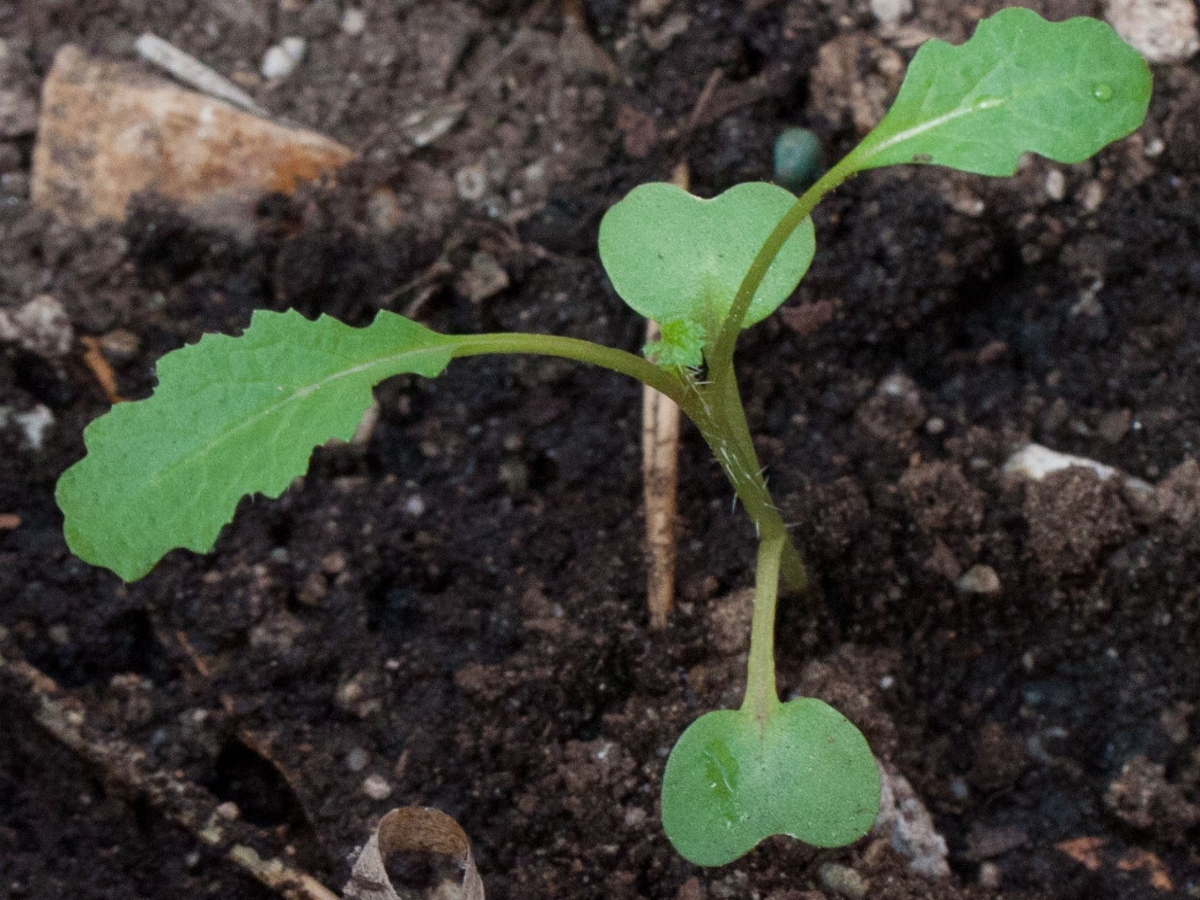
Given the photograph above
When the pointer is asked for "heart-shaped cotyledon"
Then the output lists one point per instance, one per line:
(675, 257)
(732, 781)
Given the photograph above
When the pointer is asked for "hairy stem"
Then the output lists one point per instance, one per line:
(731, 443)
(716, 409)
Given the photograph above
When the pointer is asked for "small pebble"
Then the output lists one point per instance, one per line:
(890, 12)
(514, 475)
(40, 326)
(34, 424)
(1092, 196)
(843, 880)
(333, 563)
(635, 817)
(651, 9)
(483, 278)
(383, 210)
(1056, 185)
(228, 811)
(281, 60)
(376, 787)
(989, 875)
(979, 580)
(354, 22)
(357, 759)
(119, 346)
(798, 157)
(471, 182)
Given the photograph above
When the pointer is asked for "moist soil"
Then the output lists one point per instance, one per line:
(451, 612)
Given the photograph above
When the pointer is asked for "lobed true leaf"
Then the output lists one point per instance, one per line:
(1021, 84)
(231, 416)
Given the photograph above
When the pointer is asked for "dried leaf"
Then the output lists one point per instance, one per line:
(413, 829)
(1084, 850)
(1136, 859)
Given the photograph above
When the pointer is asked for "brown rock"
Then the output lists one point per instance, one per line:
(729, 622)
(1073, 515)
(1141, 796)
(855, 78)
(1178, 495)
(941, 499)
(18, 114)
(109, 131)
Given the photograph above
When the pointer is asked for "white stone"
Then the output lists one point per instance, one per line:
(354, 22)
(376, 787)
(471, 182)
(1056, 184)
(1163, 31)
(890, 12)
(843, 880)
(979, 580)
(281, 60)
(34, 423)
(906, 822)
(357, 759)
(40, 326)
(1035, 462)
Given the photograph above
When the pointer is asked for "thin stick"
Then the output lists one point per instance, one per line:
(124, 764)
(194, 73)
(660, 476)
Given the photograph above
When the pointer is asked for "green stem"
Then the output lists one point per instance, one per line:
(734, 449)
(723, 423)
(722, 356)
(665, 381)
(762, 697)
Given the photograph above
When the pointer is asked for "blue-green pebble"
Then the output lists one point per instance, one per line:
(798, 158)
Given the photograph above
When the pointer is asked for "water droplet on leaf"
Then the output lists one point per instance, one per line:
(1102, 92)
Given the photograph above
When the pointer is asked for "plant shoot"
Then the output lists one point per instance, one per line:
(233, 416)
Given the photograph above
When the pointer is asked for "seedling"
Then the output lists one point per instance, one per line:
(238, 415)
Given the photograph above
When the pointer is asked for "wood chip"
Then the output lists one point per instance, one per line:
(1138, 860)
(94, 359)
(1084, 850)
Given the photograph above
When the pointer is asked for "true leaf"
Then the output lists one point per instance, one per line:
(732, 781)
(1020, 84)
(674, 257)
(231, 416)
(682, 344)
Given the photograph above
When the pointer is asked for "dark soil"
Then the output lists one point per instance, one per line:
(456, 606)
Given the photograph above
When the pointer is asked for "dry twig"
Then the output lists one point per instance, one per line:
(125, 765)
(660, 476)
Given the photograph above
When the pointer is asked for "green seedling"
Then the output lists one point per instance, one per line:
(240, 415)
